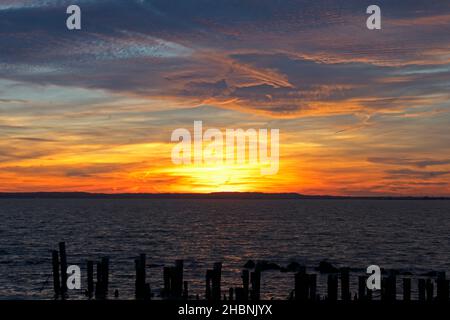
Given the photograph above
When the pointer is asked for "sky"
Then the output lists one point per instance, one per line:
(360, 112)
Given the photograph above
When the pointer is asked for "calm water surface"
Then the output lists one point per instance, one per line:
(402, 234)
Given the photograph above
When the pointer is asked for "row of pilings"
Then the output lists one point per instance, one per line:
(305, 285)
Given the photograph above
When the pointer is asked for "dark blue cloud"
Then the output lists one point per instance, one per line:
(268, 55)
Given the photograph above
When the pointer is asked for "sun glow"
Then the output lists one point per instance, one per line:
(218, 178)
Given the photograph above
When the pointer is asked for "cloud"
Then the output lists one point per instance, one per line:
(298, 59)
(411, 174)
(419, 163)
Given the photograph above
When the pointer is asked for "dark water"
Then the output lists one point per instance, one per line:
(406, 235)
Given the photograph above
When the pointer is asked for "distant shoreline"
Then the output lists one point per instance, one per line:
(213, 195)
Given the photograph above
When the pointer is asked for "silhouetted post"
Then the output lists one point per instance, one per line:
(391, 289)
(245, 283)
(140, 277)
(255, 279)
(240, 295)
(345, 285)
(185, 290)
(301, 286)
(63, 260)
(177, 280)
(230, 294)
(362, 288)
(147, 291)
(312, 286)
(442, 285)
(105, 276)
(406, 289)
(332, 289)
(369, 295)
(384, 289)
(421, 288)
(90, 278)
(208, 284)
(429, 289)
(55, 266)
(99, 284)
(216, 279)
(166, 276)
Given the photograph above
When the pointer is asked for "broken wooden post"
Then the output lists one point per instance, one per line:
(255, 279)
(362, 288)
(429, 289)
(55, 266)
(383, 294)
(140, 277)
(332, 287)
(406, 289)
(391, 287)
(421, 287)
(185, 290)
(147, 291)
(312, 286)
(301, 286)
(239, 294)
(99, 284)
(209, 275)
(63, 261)
(216, 279)
(166, 275)
(245, 283)
(137, 283)
(369, 295)
(90, 279)
(442, 285)
(105, 276)
(177, 279)
(345, 285)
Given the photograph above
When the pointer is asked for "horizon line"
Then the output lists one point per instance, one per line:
(208, 195)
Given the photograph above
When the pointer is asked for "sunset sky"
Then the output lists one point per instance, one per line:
(360, 112)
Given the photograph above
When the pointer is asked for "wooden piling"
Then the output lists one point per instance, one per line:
(406, 289)
(166, 277)
(442, 286)
(429, 290)
(99, 286)
(369, 295)
(216, 281)
(255, 279)
(301, 286)
(147, 291)
(240, 294)
(332, 287)
(185, 290)
(209, 276)
(245, 283)
(421, 289)
(312, 281)
(362, 286)
(345, 285)
(177, 279)
(90, 279)
(63, 263)
(55, 266)
(140, 277)
(391, 287)
(105, 276)
(383, 293)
